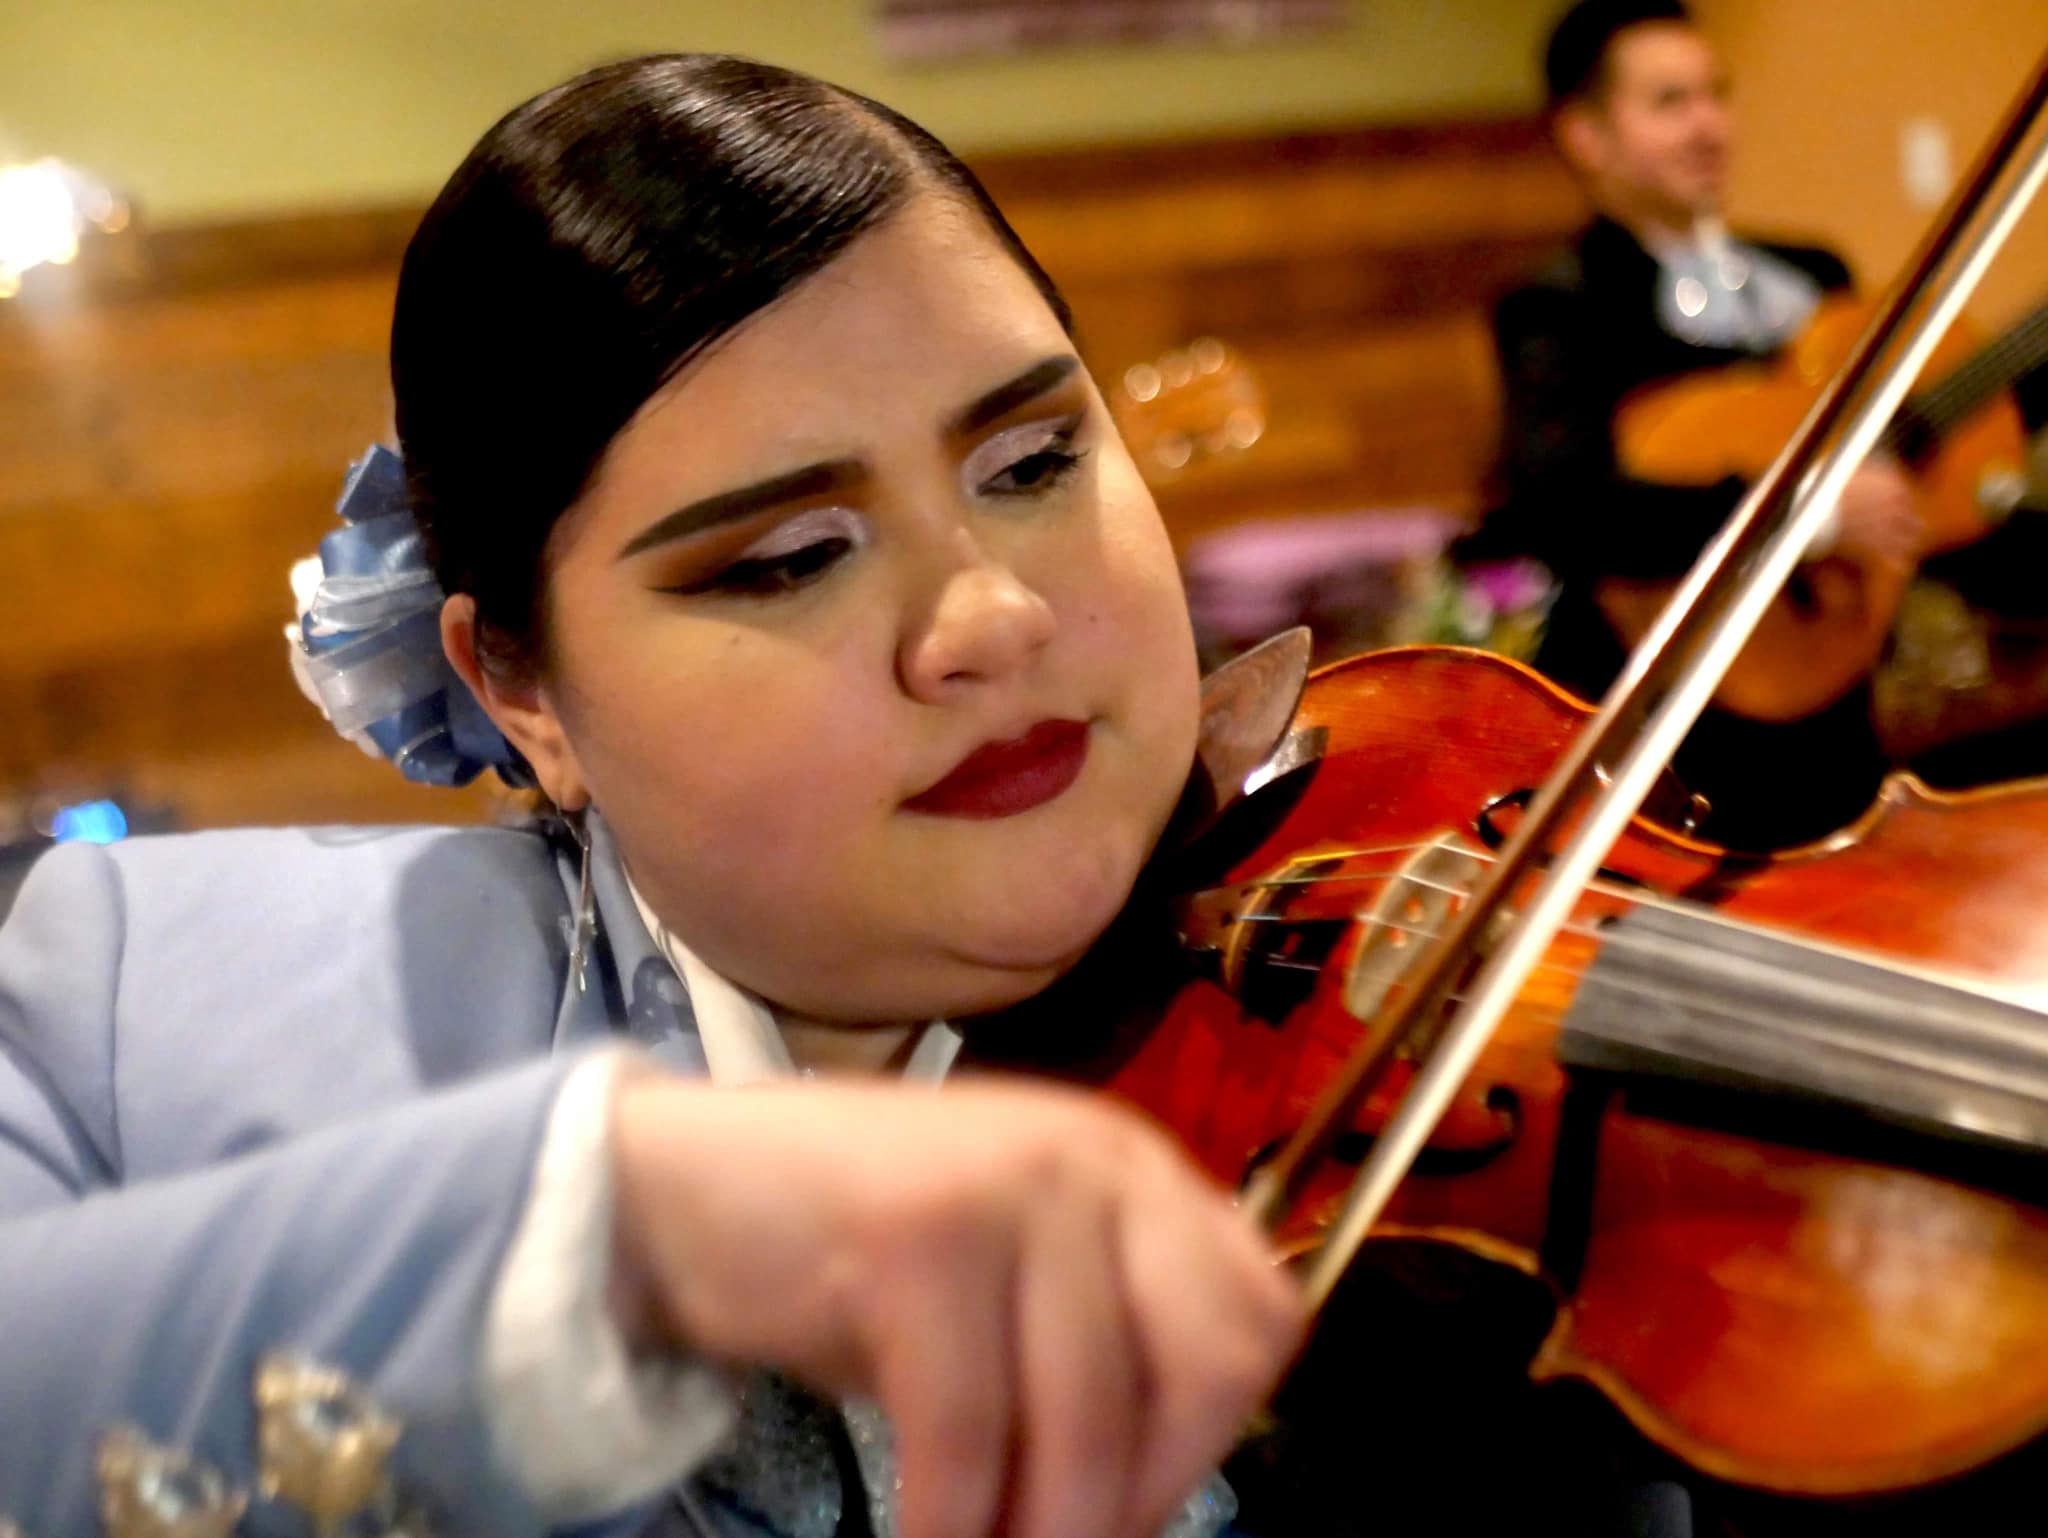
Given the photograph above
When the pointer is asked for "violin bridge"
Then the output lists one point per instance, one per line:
(1249, 937)
(1416, 904)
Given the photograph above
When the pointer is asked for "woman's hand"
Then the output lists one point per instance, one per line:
(1066, 1323)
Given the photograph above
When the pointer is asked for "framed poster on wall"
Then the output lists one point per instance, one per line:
(959, 29)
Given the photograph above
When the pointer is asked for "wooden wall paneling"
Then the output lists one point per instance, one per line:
(129, 575)
(165, 456)
(175, 397)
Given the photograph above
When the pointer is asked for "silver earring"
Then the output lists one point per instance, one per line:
(586, 910)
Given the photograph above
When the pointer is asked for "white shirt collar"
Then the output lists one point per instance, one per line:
(742, 1040)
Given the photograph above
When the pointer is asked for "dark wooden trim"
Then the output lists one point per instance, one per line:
(147, 262)
(294, 246)
(1086, 168)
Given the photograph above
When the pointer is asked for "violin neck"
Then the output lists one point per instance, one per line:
(1684, 997)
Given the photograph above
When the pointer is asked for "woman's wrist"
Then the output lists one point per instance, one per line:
(630, 1290)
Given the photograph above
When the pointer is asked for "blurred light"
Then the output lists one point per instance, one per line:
(90, 822)
(45, 206)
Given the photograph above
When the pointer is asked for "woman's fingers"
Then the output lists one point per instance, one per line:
(1216, 1338)
(1081, 1388)
(1064, 1322)
(944, 1376)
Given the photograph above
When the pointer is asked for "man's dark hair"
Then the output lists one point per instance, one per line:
(597, 240)
(1575, 59)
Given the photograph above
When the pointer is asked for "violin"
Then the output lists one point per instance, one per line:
(1770, 1127)
(1960, 436)
(1757, 1122)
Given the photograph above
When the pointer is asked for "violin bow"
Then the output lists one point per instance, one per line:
(1487, 951)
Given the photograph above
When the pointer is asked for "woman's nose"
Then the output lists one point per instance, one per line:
(985, 623)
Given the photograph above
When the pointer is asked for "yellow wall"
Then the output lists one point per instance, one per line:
(211, 108)
(1822, 88)
(220, 108)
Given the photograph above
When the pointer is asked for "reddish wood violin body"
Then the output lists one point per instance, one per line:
(1782, 1316)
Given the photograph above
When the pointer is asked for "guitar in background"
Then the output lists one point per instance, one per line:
(1960, 437)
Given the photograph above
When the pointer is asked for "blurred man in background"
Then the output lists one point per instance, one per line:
(1656, 287)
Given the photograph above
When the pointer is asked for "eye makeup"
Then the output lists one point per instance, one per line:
(1016, 462)
(788, 556)
(1024, 460)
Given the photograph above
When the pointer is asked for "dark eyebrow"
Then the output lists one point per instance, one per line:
(1030, 384)
(816, 480)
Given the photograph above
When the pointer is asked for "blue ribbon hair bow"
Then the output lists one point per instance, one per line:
(367, 647)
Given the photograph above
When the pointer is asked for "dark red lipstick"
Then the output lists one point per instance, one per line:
(1001, 779)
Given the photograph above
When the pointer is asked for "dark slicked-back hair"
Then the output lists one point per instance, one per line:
(596, 240)
(1575, 58)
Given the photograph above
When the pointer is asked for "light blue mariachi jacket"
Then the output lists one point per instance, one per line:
(284, 1089)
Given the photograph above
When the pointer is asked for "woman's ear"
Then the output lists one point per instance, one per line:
(520, 708)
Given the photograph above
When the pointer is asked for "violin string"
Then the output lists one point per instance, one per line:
(1616, 939)
(1820, 1036)
(1636, 896)
(1605, 937)
(1610, 938)
(1615, 936)
(1360, 854)
(1265, 883)
(1570, 969)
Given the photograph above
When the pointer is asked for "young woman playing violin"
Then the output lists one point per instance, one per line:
(755, 508)
(393, 1178)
